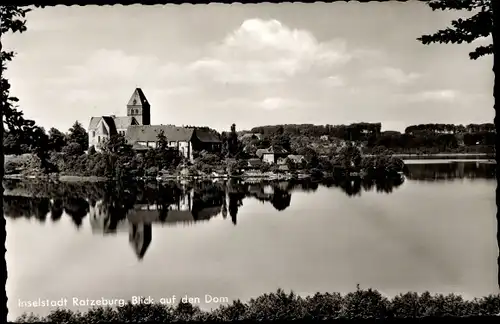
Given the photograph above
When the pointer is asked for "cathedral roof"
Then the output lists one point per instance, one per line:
(149, 133)
(111, 124)
(114, 123)
(123, 122)
(94, 121)
(138, 98)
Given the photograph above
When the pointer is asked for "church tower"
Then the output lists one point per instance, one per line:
(138, 107)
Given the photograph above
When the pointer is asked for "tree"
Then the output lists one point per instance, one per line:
(12, 21)
(162, 140)
(12, 143)
(465, 30)
(78, 134)
(349, 157)
(233, 144)
(282, 140)
(57, 140)
(41, 148)
(73, 149)
(117, 144)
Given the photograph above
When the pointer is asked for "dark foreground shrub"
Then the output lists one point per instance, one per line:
(282, 306)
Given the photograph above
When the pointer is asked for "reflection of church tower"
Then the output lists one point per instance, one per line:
(140, 237)
(233, 207)
(224, 203)
(138, 107)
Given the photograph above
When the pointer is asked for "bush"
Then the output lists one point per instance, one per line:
(73, 149)
(363, 304)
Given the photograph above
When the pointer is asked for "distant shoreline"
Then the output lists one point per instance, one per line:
(74, 178)
(441, 155)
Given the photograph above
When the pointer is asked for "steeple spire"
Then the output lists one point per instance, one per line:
(139, 108)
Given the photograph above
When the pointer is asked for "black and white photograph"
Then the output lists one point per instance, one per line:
(249, 161)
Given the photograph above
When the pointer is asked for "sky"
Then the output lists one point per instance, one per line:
(252, 65)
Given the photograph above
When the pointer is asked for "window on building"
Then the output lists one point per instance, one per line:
(98, 139)
(93, 133)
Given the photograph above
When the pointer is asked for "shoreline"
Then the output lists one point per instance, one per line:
(440, 155)
(68, 178)
(59, 178)
(303, 174)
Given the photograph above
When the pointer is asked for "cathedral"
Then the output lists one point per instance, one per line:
(137, 129)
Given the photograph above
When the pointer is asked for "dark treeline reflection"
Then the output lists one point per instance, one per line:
(450, 171)
(133, 207)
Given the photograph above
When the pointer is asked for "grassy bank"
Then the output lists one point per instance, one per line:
(288, 306)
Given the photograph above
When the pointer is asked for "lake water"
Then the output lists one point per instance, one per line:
(433, 230)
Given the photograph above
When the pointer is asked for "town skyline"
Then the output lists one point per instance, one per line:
(254, 65)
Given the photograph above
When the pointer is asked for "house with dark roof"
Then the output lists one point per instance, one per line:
(186, 140)
(145, 137)
(205, 139)
(272, 154)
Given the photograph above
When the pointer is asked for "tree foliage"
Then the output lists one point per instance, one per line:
(288, 306)
(231, 145)
(78, 134)
(12, 21)
(57, 140)
(479, 25)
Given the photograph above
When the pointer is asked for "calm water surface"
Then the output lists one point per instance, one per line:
(434, 230)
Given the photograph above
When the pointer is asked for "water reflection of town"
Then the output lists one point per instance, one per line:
(134, 208)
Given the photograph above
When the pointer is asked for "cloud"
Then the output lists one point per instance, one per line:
(248, 59)
(104, 65)
(333, 81)
(278, 103)
(269, 103)
(391, 74)
(438, 95)
(261, 51)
